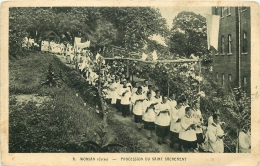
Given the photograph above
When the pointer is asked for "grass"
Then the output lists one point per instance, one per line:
(62, 123)
(54, 124)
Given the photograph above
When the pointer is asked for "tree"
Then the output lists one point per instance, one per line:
(188, 35)
(19, 22)
(135, 25)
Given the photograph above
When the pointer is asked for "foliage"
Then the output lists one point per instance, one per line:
(50, 126)
(135, 24)
(188, 35)
(102, 141)
(129, 27)
(52, 80)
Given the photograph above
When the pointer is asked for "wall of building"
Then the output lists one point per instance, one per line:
(246, 56)
(227, 63)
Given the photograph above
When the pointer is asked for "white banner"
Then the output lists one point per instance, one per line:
(212, 30)
(45, 46)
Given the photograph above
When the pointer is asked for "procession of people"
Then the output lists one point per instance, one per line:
(166, 116)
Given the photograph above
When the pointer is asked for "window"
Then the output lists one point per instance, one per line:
(216, 76)
(222, 45)
(243, 9)
(222, 12)
(244, 83)
(229, 44)
(223, 79)
(216, 10)
(229, 78)
(244, 44)
(228, 11)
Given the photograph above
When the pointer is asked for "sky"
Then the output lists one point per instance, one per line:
(170, 12)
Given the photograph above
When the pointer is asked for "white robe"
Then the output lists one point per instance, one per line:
(213, 143)
(150, 115)
(137, 105)
(162, 119)
(125, 99)
(196, 114)
(175, 115)
(113, 88)
(190, 134)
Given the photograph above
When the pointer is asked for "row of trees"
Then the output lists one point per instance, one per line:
(127, 27)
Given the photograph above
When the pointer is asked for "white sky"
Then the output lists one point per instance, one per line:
(170, 12)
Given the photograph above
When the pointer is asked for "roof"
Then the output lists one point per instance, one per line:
(49, 34)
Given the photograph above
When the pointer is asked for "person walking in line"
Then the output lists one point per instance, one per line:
(151, 90)
(187, 133)
(196, 114)
(135, 86)
(172, 101)
(214, 136)
(118, 98)
(113, 89)
(125, 94)
(162, 120)
(137, 100)
(157, 97)
(149, 114)
(145, 87)
(175, 125)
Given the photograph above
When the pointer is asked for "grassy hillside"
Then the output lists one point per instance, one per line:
(54, 119)
(48, 125)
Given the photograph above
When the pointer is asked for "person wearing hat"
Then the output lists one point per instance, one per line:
(162, 120)
(125, 94)
(214, 136)
(210, 119)
(137, 100)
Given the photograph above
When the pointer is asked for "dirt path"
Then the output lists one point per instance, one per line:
(129, 122)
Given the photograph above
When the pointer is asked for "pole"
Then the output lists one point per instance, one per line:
(239, 47)
(168, 88)
(199, 77)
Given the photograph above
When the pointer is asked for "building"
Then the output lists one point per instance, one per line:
(231, 62)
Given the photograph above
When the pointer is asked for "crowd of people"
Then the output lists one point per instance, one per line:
(151, 110)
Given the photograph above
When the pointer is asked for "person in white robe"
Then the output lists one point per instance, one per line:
(151, 90)
(162, 120)
(196, 114)
(245, 141)
(145, 87)
(171, 101)
(175, 125)
(137, 100)
(118, 98)
(157, 97)
(125, 94)
(113, 89)
(149, 115)
(214, 137)
(187, 133)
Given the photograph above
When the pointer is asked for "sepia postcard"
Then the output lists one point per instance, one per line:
(130, 83)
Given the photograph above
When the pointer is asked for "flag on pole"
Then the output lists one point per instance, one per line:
(83, 45)
(212, 30)
(77, 40)
(144, 56)
(154, 54)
